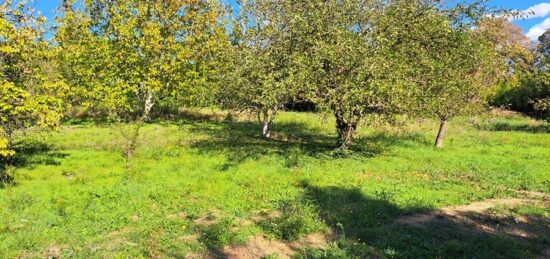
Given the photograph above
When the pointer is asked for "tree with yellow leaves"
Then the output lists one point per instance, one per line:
(29, 88)
(126, 56)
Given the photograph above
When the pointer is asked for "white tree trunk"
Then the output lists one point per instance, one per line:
(148, 105)
(266, 129)
(265, 118)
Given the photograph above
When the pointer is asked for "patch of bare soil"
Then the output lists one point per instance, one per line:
(258, 246)
(535, 195)
(478, 217)
(457, 211)
(54, 252)
(175, 216)
(115, 239)
(209, 219)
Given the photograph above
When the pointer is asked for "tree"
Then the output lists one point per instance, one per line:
(29, 87)
(347, 65)
(264, 73)
(452, 67)
(543, 47)
(514, 48)
(126, 56)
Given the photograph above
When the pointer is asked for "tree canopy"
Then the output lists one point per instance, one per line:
(126, 56)
(30, 89)
(352, 59)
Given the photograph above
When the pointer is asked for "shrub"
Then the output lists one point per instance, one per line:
(522, 96)
(542, 108)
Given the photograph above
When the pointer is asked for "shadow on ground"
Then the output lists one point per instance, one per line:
(28, 155)
(32, 153)
(367, 228)
(541, 128)
(241, 141)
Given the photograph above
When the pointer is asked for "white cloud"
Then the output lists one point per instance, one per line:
(538, 29)
(537, 11)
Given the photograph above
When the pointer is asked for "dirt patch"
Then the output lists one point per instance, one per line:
(258, 246)
(535, 195)
(457, 211)
(209, 219)
(316, 240)
(176, 216)
(478, 217)
(54, 251)
(118, 233)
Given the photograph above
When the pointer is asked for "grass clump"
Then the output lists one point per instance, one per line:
(296, 220)
(221, 234)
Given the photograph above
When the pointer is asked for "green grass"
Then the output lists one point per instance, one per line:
(72, 195)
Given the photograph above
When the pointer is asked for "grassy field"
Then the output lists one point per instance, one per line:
(201, 184)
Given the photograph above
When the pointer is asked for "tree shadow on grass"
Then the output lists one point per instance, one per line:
(541, 128)
(241, 141)
(28, 154)
(32, 153)
(367, 228)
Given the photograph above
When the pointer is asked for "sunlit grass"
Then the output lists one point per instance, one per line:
(72, 191)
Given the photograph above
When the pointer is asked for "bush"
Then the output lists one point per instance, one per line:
(542, 108)
(525, 94)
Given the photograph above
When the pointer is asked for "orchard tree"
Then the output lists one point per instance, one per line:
(126, 56)
(515, 50)
(350, 71)
(264, 74)
(123, 57)
(452, 67)
(29, 87)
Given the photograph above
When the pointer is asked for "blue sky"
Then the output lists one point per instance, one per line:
(533, 26)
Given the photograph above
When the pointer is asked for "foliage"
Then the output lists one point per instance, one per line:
(345, 66)
(529, 93)
(355, 58)
(264, 74)
(522, 96)
(452, 69)
(513, 47)
(126, 56)
(29, 86)
(543, 47)
(542, 107)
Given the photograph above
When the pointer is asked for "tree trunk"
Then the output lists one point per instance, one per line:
(266, 129)
(441, 133)
(265, 118)
(346, 132)
(148, 106)
(9, 133)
